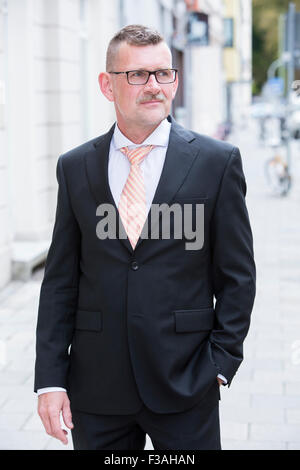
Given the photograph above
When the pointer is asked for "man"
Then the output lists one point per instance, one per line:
(149, 348)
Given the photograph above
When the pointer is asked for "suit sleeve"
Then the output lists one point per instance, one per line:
(234, 273)
(58, 294)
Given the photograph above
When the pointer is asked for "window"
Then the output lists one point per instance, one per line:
(228, 32)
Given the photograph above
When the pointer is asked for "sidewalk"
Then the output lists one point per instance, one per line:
(261, 409)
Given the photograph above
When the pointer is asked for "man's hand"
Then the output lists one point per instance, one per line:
(49, 407)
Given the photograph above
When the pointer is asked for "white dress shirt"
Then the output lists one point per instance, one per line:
(119, 168)
(151, 166)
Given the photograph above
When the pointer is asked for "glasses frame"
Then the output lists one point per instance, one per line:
(149, 73)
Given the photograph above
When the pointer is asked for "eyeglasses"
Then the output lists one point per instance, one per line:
(141, 77)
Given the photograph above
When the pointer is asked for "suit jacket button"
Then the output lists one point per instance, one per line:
(134, 265)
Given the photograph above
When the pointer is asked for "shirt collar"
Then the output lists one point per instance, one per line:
(160, 137)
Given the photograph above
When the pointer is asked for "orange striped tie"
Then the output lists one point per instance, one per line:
(132, 205)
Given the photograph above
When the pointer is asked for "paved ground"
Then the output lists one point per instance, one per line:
(261, 410)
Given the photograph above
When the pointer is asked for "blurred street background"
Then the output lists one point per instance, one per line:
(239, 71)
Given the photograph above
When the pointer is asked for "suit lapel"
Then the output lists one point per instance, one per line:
(96, 161)
(179, 159)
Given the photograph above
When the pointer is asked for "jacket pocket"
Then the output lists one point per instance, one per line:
(201, 319)
(88, 320)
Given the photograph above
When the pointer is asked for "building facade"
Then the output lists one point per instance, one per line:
(237, 59)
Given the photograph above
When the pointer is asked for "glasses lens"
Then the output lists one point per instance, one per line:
(138, 77)
(165, 76)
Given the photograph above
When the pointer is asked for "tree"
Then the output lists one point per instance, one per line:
(265, 36)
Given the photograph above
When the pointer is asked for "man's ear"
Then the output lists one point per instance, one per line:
(104, 80)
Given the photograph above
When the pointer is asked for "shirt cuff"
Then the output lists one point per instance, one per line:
(50, 389)
(222, 378)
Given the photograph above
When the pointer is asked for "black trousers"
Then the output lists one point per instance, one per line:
(195, 429)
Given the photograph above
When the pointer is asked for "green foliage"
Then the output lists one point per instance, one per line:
(265, 34)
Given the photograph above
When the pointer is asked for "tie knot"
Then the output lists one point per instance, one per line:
(137, 155)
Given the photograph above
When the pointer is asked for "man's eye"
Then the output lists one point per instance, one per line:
(137, 74)
(163, 73)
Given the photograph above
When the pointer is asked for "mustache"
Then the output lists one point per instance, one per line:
(151, 97)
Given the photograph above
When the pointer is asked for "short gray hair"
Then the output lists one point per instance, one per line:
(133, 34)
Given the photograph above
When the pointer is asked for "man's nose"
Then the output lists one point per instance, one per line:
(152, 83)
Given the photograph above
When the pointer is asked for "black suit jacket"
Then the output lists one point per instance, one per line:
(153, 325)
